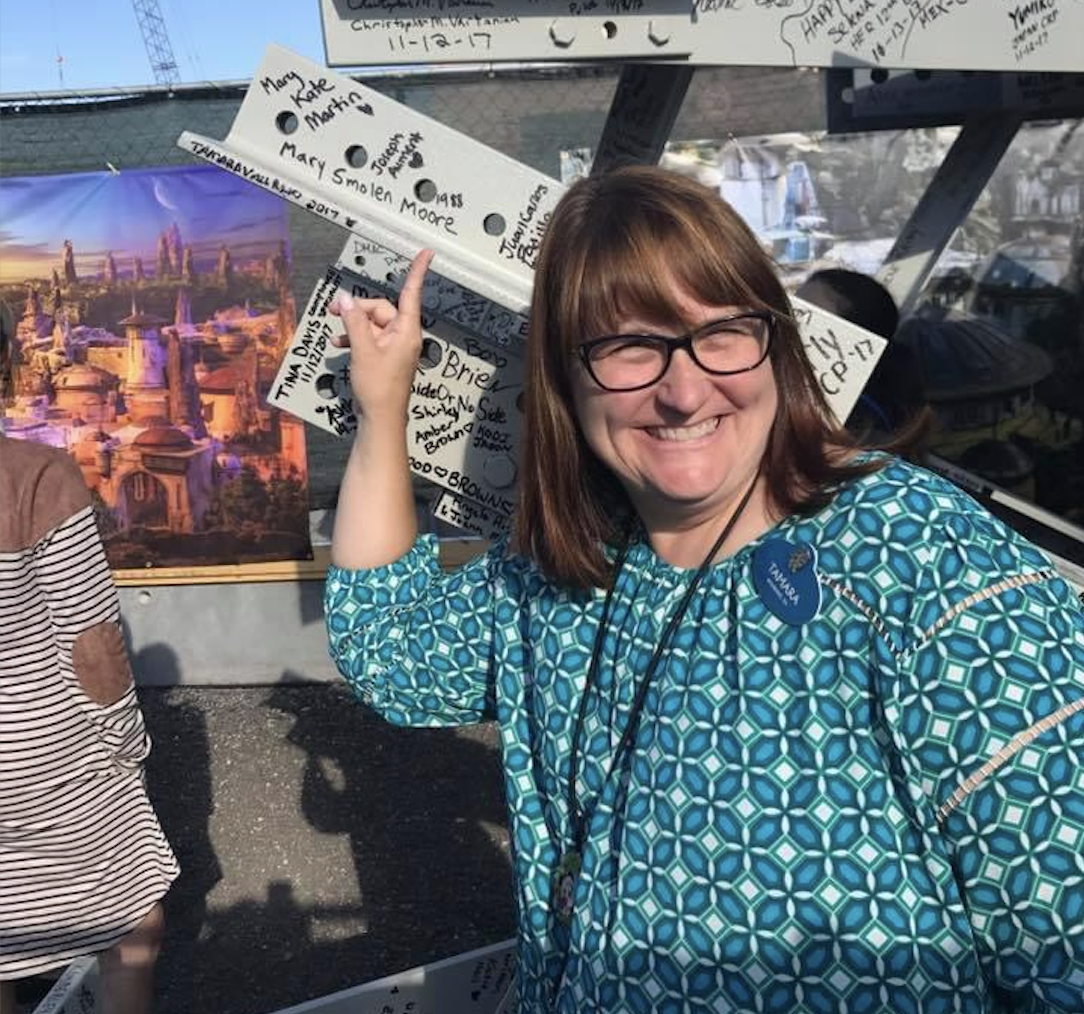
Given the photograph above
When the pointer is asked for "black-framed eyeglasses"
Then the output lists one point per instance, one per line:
(628, 362)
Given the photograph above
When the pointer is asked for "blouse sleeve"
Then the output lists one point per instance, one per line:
(987, 713)
(415, 643)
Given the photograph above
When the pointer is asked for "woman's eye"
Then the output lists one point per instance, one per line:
(626, 349)
(635, 349)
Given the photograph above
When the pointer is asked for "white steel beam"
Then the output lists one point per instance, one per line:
(464, 428)
(420, 31)
(478, 981)
(879, 100)
(372, 165)
(1024, 35)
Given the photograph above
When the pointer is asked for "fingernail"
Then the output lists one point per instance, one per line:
(345, 301)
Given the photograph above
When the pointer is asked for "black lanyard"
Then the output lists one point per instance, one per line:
(580, 817)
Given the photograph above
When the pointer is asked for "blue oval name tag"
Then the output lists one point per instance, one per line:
(785, 577)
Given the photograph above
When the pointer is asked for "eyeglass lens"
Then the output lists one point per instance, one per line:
(726, 346)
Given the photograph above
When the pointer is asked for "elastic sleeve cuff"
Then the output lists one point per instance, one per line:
(391, 584)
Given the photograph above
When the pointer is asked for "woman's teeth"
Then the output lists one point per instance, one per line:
(683, 433)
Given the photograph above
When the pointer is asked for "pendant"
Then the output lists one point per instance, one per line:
(564, 885)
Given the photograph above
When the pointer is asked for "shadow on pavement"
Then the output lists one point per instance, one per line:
(257, 786)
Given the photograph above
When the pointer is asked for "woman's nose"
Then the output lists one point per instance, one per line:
(684, 385)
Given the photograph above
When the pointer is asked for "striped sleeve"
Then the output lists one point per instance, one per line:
(73, 575)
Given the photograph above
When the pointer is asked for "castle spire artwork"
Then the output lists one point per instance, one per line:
(70, 277)
(151, 366)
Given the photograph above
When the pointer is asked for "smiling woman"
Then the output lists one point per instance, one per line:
(786, 726)
(624, 254)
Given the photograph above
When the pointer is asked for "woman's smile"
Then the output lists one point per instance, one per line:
(687, 433)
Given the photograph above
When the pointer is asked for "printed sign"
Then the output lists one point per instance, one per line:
(155, 309)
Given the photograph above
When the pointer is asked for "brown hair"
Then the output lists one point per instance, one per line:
(633, 242)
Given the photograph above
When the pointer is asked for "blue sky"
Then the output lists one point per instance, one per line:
(100, 41)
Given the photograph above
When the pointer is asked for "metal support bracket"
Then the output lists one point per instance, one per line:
(642, 114)
(875, 33)
(945, 204)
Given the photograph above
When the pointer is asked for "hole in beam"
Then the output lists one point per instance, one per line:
(286, 121)
(431, 354)
(425, 190)
(494, 224)
(356, 156)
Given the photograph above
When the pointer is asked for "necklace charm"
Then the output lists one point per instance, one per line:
(564, 885)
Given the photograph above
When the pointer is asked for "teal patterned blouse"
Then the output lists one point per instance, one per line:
(878, 810)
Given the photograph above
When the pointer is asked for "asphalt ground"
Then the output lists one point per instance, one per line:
(321, 848)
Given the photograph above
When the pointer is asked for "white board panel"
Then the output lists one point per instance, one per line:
(1013, 35)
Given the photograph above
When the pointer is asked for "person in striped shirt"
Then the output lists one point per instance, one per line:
(84, 863)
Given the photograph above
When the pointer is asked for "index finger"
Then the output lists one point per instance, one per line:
(410, 296)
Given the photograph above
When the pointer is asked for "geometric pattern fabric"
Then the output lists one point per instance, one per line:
(877, 810)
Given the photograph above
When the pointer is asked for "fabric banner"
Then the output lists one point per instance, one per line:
(151, 308)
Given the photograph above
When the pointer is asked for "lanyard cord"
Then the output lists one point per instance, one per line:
(580, 818)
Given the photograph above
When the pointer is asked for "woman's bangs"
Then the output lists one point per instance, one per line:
(647, 271)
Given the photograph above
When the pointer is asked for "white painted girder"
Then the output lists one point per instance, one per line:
(376, 167)
(945, 205)
(1007, 35)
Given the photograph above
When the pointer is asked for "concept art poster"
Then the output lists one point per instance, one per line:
(151, 308)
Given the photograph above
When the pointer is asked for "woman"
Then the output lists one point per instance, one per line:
(83, 861)
(784, 728)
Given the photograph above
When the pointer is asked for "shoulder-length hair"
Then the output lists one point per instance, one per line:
(632, 243)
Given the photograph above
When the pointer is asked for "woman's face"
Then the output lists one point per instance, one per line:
(687, 447)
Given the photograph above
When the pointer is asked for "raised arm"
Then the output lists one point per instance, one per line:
(374, 521)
